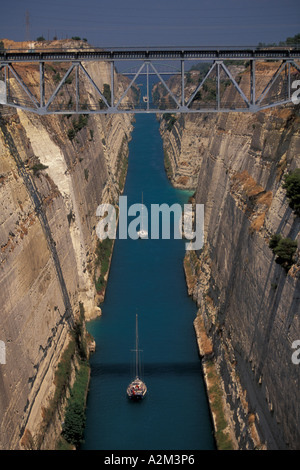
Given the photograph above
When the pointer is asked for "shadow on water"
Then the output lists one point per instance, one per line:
(179, 369)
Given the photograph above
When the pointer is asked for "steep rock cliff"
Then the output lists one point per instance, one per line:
(50, 188)
(248, 304)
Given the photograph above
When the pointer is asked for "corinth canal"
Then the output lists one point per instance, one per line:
(147, 278)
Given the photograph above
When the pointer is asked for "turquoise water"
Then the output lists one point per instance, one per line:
(147, 278)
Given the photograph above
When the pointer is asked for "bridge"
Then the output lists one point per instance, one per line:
(148, 80)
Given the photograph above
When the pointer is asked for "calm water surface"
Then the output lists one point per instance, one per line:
(147, 278)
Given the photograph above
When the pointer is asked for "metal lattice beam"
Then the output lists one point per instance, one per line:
(16, 92)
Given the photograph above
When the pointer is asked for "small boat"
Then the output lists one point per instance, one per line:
(142, 233)
(137, 389)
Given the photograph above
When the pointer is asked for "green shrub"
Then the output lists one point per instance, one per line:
(61, 381)
(103, 252)
(292, 186)
(69, 80)
(106, 92)
(73, 427)
(79, 334)
(100, 283)
(37, 167)
(275, 239)
(71, 134)
(107, 95)
(284, 249)
(198, 96)
(78, 124)
(57, 78)
(170, 119)
(167, 164)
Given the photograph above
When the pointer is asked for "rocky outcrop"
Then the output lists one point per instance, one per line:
(181, 150)
(50, 188)
(248, 304)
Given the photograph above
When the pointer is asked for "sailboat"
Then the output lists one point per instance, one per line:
(137, 389)
(142, 233)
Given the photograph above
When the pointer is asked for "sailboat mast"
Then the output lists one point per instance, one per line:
(136, 348)
(142, 225)
(137, 388)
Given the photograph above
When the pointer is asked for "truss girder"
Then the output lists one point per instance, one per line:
(148, 66)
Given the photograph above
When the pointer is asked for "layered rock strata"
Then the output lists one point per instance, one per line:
(248, 304)
(50, 188)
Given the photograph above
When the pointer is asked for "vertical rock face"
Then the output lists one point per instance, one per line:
(247, 302)
(50, 188)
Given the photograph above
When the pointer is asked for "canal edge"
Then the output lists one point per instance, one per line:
(223, 436)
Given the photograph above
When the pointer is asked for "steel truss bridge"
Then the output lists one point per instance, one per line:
(155, 80)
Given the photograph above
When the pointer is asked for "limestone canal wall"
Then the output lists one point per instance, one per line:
(248, 304)
(51, 183)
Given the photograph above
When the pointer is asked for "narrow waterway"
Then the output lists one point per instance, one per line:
(147, 278)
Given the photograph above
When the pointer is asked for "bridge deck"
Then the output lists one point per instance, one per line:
(186, 54)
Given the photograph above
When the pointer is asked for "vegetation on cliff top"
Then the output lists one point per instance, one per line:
(290, 41)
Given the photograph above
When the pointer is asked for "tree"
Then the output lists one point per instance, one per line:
(292, 186)
(74, 423)
(71, 134)
(106, 92)
(275, 239)
(284, 249)
(293, 40)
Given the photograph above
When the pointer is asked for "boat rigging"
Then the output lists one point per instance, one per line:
(137, 389)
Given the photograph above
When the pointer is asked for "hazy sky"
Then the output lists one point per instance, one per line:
(153, 22)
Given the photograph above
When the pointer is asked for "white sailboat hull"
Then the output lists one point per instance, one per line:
(143, 234)
(136, 389)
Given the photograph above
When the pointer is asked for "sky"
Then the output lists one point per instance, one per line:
(133, 23)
